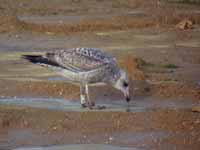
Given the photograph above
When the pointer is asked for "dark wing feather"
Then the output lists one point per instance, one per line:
(39, 59)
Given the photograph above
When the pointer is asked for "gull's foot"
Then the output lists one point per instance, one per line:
(97, 107)
(84, 105)
(92, 106)
(88, 105)
(101, 107)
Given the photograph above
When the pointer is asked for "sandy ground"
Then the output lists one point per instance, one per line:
(162, 61)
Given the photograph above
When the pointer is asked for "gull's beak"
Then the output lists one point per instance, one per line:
(126, 94)
(128, 99)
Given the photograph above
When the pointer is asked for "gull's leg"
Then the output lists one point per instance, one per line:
(90, 103)
(82, 96)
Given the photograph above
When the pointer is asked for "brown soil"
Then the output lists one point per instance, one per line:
(68, 91)
(155, 15)
(8, 23)
(90, 124)
(176, 90)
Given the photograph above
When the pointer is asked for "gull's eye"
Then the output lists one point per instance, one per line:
(125, 84)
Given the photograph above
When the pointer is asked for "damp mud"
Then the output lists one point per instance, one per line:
(40, 110)
(28, 127)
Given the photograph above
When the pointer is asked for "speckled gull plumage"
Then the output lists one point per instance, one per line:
(87, 65)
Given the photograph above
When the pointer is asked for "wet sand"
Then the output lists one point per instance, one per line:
(166, 128)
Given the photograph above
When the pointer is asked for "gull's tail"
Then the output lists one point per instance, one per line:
(39, 59)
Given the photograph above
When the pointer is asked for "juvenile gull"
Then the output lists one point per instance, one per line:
(85, 66)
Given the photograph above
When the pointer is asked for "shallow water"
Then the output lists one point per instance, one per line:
(65, 105)
(138, 105)
(79, 147)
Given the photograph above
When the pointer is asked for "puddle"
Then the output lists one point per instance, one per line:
(70, 19)
(137, 105)
(79, 147)
(165, 103)
(66, 105)
(58, 19)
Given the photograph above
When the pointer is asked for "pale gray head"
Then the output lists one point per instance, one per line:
(122, 84)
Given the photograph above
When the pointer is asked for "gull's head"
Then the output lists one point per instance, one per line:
(122, 84)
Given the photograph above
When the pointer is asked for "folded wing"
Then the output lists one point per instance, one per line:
(80, 59)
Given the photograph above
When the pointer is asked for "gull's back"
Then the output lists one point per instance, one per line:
(81, 59)
(85, 64)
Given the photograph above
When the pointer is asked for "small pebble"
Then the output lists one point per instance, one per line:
(111, 138)
(54, 128)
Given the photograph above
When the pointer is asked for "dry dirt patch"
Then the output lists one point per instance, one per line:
(155, 14)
